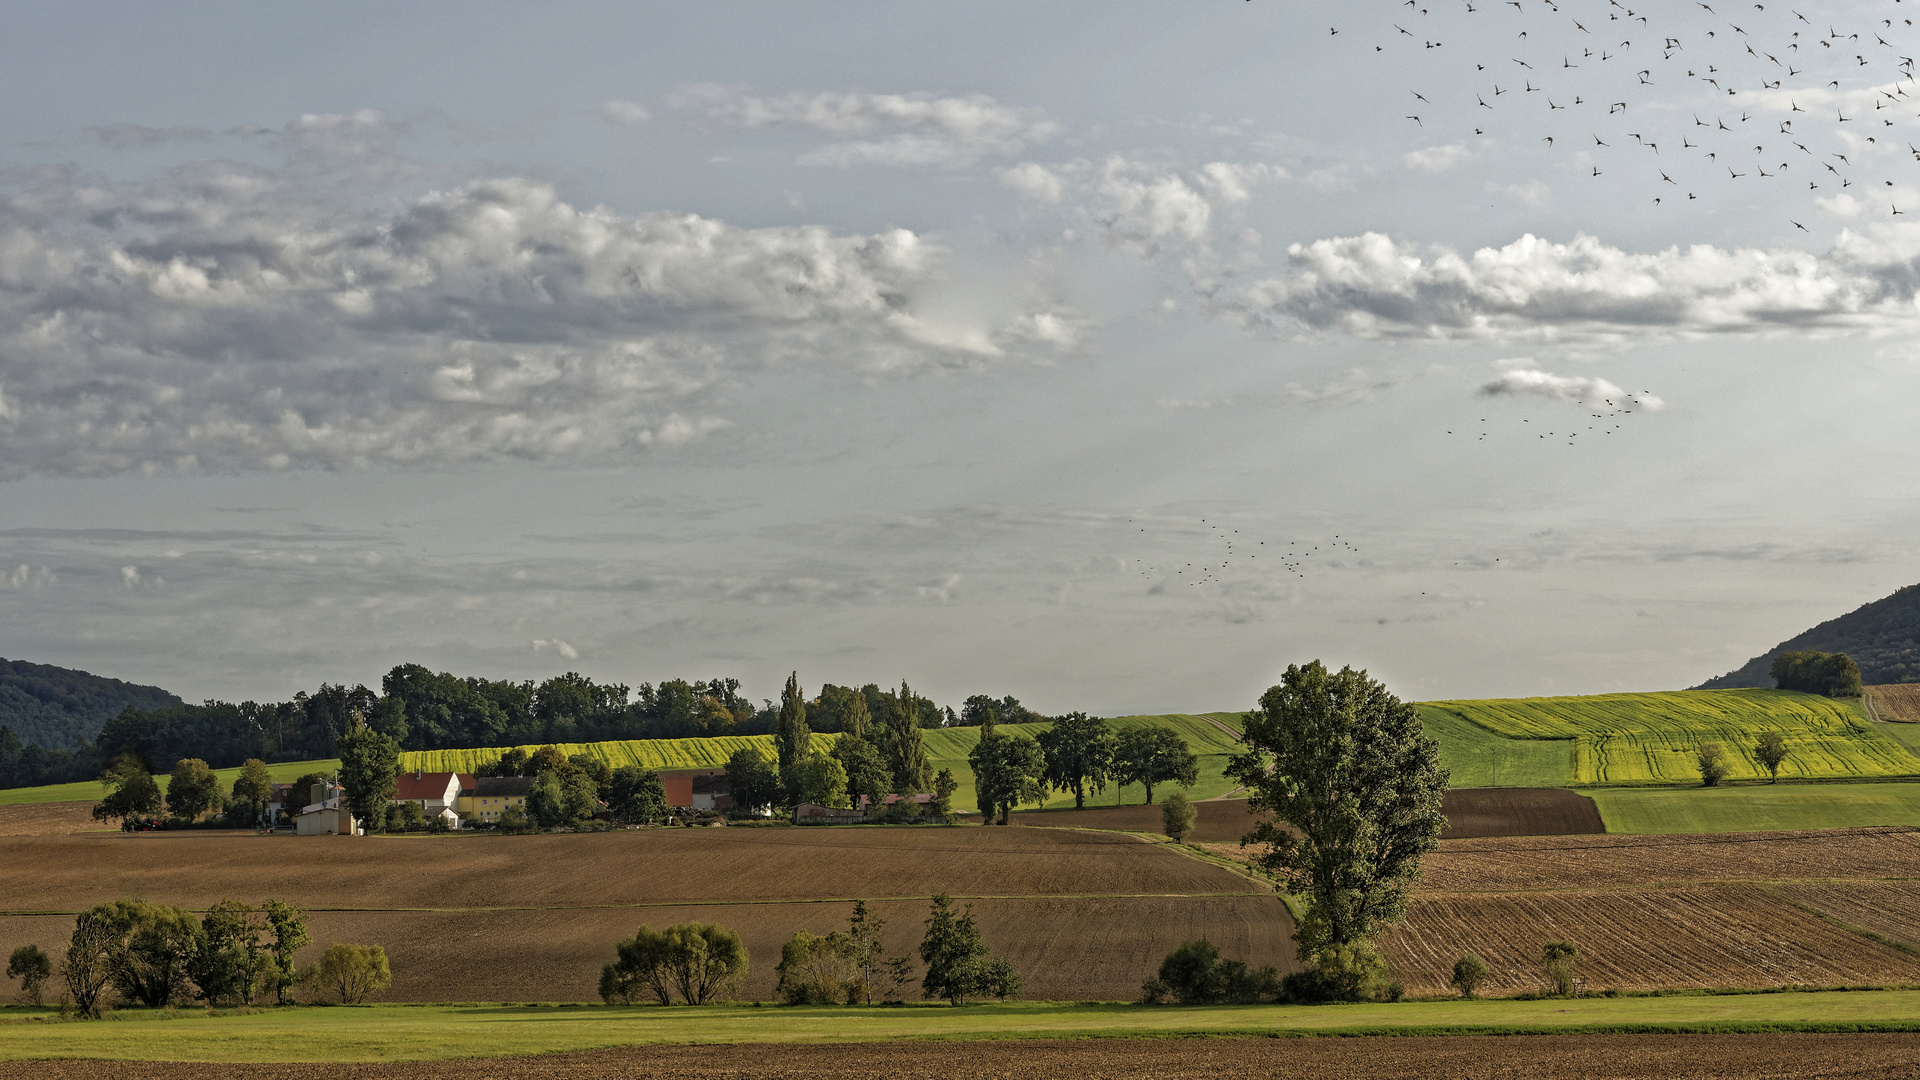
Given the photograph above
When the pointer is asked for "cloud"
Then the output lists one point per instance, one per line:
(229, 317)
(25, 576)
(1036, 182)
(1231, 182)
(1589, 392)
(1143, 214)
(565, 651)
(1437, 158)
(911, 129)
(1373, 286)
(134, 581)
(625, 112)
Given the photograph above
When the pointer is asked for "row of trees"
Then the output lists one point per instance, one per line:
(698, 963)
(1078, 753)
(156, 954)
(1770, 750)
(421, 709)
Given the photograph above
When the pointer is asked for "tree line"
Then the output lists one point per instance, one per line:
(425, 710)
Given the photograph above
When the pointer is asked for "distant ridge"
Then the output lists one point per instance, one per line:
(58, 707)
(1883, 637)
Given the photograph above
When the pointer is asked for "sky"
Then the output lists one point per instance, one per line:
(1109, 355)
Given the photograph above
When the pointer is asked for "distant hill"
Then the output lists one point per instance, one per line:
(57, 707)
(1882, 637)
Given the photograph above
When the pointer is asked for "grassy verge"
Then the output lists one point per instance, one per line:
(438, 1032)
(1757, 808)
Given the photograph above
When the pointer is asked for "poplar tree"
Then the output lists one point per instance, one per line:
(792, 738)
(901, 745)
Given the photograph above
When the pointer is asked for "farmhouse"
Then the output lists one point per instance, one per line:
(327, 814)
(484, 798)
(437, 793)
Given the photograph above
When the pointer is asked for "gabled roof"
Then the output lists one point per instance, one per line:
(502, 786)
(424, 785)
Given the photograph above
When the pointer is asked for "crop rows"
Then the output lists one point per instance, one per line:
(1650, 738)
(1899, 702)
(1640, 939)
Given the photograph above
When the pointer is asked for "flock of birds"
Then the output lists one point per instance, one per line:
(1294, 557)
(1611, 420)
(1778, 95)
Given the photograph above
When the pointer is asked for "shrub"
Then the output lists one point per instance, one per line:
(1468, 973)
(1352, 972)
(700, 960)
(1194, 974)
(958, 966)
(352, 973)
(513, 820)
(817, 970)
(1177, 816)
(33, 968)
(998, 979)
(1713, 762)
(1559, 958)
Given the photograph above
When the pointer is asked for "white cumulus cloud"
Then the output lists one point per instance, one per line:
(1587, 391)
(1374, 286)
(230, 317)
(625, 112)
(1437, 158)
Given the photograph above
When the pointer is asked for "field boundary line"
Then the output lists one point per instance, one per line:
(644, 904)
(1871, 935)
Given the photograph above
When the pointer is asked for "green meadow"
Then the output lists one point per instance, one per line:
(89, 790)
(1756, 807)
(440, 1032)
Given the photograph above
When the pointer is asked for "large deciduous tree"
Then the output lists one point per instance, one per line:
(1151, 756)
(130, 789)
(635, 796)
(866, 773)
(1354, 785)
(1006, 772)
(818, 780)
(252, 790)
(1079, 753)
(192, 790)
(751, 780)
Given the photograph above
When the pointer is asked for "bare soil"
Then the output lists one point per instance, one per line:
(1899, 702)
(533, 918)
(1588, 862)
(1639, 939)
(1470, 812)
(1473, 812)
(1541, 1057)
(37, 819)
(1888, 908)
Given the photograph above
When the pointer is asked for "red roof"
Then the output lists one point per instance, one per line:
(422, 785)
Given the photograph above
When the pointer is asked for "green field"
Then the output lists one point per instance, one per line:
(89, 790)
(1756, 808)
(948, 748)
(440, 1032)
(1477, 757)
(1649, 738)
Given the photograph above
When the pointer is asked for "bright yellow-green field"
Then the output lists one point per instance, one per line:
(1650, 738)
(647, 753)
(440, 1032)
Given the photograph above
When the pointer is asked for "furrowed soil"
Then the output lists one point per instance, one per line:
(1469, 812)
(1542, 1057)
(1082, 915)
(1899, 702)
(36, 819)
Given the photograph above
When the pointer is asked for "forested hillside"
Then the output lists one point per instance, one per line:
(59, 708)
(1882, 637)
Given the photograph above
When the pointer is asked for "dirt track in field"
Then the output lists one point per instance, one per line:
(1541, 1057)
(577, 895)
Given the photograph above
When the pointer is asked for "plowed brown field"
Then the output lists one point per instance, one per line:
(1602, 861)
(1081, 915)
(1542, 1057)
(1469, 812)
(35, 819)
(1640, 939)
(1475, 812)
(1888, 908)
(1897, 701)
